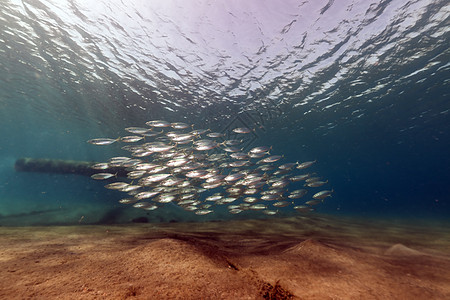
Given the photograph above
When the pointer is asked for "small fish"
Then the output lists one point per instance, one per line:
(215, 178)
(141, 204)
(186, 202)
(118, 159)
(281, 172)
(281, 204)
(155, 178)
(262, 149)
(229, 199)
(196, 173)
(131, 139)
(231, 149)
(102, 176)
(144, 166)
(312, 179)
(214, 198)
(270, 212)
(146, 195)
(299, 177)
(280, 183)
(199, 131)
(306, 164)
(128, 201)
(297, 194)
(251, 191)
(250, 199)
(116, 185)
(323, 194)
(100, 166)
(211, 185)
(242, 130)
(152, 133)
(313, 202)
(239, 163)
(232, 142)
(215, 135)
(182, 137)
(205, 147)
(177, 162)
(102, 141)
(316, 183)
(158, 123)
(257, 155)
(179, 125)
(202, 212)
(160, 148)
(266, 168)
(137, 130)
(239, 155)
(272, 159)
(165, 198)
(129, 188)
(302, 208)
(258, 206)
(190, 208)
(150, 206)
(256, 185)
(288, 166)
(234, 177)
(136, 174)
(269, 197)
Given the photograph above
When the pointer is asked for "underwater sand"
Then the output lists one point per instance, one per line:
(314, 257)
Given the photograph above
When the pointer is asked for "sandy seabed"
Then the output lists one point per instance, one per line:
(314, 257)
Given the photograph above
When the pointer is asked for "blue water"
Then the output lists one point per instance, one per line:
(360, 86)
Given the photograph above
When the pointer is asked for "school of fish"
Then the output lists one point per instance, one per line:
(199, 170)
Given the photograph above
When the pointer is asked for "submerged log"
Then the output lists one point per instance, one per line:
(61, 166)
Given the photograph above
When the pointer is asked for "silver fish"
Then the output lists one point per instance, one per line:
(232, 142)
(100, 166)
(270, 212)
(302, 208)
(313, 202)
(116, 185)
(299, 177)
(261, 149)
(281, 204)
(137, 130)
(102, 176)
(155, 177)
(102, 141)
(179, 125)
(146, 195)
(288, 166)
(316, 183)
(158, 123)
(258, 206)
(131, 139)
(272, 159)
(128, 201)
(297, 194)
(215, 134)
(202, 212)
(306, 164)
(242, 130)
(323, 194)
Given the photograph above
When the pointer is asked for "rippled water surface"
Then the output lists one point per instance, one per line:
(361, 86)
